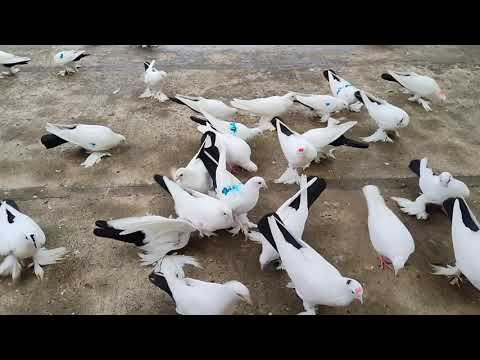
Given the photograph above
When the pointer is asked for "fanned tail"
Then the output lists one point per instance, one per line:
(49, 257)
(11, 266)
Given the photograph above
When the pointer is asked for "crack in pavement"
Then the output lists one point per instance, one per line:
(346, 184)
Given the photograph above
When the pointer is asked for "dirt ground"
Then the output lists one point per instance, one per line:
(102, 276)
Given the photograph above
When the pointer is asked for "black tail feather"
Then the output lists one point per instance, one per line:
(344, 141)
(146, 64)
(313, 192)
(213, 151)
(106, 231)
(50, 141)
(160, 281)
(388, 77)
(415, 166)
(161, 182)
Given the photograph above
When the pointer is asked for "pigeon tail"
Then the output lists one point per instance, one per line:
(417, 207)
(389, 77)
(415, 166)
(49, 257)
(81, 56)
(50, 141)
(172, 265)
(107, 231)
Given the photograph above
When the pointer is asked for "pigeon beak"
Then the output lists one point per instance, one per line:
(265, 186)
(248, 299)
(360, 299)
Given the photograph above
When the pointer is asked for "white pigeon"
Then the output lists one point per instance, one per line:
(68, 59)
(238, 150)
(21, 238)
(327, 139)
(323, 105)
(342, 89)
(194, 176)
(197, 297)
(267, 108)
(225, 127)
(466, 243)
(216, 108)
(436, 188)
(207, 214)
(293, 213)
(387, 117)
(298, 152)
(419, 85)
(315, 280)
(153, 78)
(155, 236)
(10, 61)
(240, 197)
(389, 237)
(96, 139)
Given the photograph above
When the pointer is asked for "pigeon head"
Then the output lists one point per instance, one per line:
(240, 290)
(184, 176)
(355, 289)
(258, 183)
(445, 178)
(440, 95)
(291, 96)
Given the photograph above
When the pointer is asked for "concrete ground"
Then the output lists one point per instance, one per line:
(102, 276)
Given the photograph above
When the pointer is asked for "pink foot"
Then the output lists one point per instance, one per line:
(385, 263)
(233, 168)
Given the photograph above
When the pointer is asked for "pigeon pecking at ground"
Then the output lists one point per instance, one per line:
(95, 139)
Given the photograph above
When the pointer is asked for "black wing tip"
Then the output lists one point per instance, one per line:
(358, 96)
(160, 180)
(467, 219)
(325, 73)
(175, 100)
(159, 281)
(146, 64)
(137, 238)
(344, 141)
(198, 120)
(415, 166)
(12, 203)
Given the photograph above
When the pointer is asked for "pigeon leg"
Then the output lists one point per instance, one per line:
(37, 269)
(265, 123)
(280, 266)
(147, 93)
(385, 263)
(379, 135)
(160, 96)
(397, 134)
(290, 176)
(425, 104)
(324, 118)
(62, 72)
(290, 285)
(414, 98)
(331, 155)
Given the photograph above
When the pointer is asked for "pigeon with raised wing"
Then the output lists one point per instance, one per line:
(435, 187)
(21, 238)
(342, 89)
(153, 78)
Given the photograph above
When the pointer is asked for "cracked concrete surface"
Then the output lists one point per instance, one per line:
(101, 276)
